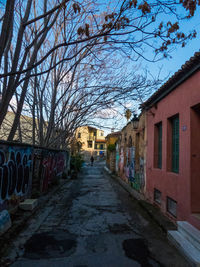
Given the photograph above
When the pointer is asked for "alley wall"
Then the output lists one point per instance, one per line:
(26, 170)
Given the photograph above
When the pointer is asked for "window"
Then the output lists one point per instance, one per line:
(95, 146)
(101, 146)
(95, 133)
(157, 196)
(158, 146)
(171, 206)
(79, 135)
(101, 133)
(175, 144)
(90, 144)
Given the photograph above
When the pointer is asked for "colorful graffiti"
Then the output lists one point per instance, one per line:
(15, 173)
(24, 168)
(121, 160)
(130, 164)
(138, 183)
(53, 165)
(128, 171)
(117, 159)
(49, 165)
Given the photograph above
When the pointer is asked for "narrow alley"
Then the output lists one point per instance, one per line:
(92, 221)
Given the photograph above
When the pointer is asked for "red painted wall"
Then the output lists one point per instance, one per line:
(177, 186)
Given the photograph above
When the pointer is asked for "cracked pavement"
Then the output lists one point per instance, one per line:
(92, 221)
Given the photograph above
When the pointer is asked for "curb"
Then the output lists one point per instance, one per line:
(127, 187)
(162, 221)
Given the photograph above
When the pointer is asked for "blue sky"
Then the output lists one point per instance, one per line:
(180, 55)
(170, 65)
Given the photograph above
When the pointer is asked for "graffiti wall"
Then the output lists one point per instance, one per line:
(49, 165)
(138, 181)
(15, 174)
(127, 168)
(117, 159)
(130, 164)
(53, 165)
(121, 160)
(24, 168)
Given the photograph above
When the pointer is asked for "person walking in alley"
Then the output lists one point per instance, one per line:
(92, 160)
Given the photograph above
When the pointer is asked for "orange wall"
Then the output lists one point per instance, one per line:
(176, 186)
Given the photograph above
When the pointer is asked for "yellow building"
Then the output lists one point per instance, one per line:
(111, 140)
(91, 141)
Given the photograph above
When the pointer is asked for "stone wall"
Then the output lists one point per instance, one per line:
(131, 154)
(111, 163)
(111, 139)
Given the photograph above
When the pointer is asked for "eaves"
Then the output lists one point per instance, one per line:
(178, 78)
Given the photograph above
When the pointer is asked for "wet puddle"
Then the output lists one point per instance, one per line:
(50, 245)
(137, 249)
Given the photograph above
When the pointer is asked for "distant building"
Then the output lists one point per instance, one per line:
(25, 134)
(90, 141)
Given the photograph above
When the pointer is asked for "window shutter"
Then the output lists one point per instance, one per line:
(160, 146)
(175, 144)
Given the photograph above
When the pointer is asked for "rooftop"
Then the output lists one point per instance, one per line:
(100, 140)
(187, 69)
(113, 134)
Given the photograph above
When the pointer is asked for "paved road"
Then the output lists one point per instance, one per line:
(93, 222)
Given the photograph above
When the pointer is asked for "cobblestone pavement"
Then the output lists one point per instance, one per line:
(93, 222)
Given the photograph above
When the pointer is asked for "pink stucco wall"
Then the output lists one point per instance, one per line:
(177, 186)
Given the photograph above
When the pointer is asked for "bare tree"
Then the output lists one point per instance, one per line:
(74, 97)
(33, 37)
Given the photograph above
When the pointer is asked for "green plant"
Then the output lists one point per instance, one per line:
(76, 162)
(111, 147)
